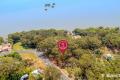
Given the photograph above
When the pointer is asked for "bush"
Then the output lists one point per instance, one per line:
(15, 55)
(11, 69)
(52, 73)
(36, 77)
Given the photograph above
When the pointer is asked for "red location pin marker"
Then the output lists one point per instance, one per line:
(62, 45)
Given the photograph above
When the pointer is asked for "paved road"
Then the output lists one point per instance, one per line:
(4, 53)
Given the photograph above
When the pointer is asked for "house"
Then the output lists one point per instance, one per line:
(73, 35)
(5, 47)
(76, 37)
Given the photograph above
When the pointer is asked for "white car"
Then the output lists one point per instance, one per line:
(24, 77)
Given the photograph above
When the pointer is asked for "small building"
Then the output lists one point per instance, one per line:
(76, 37)
(108, 56)
(37, 71)
(5, 47)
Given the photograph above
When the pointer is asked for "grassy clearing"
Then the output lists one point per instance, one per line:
(18, 46)
(32, 59)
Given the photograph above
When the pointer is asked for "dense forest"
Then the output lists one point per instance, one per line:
(85, 57)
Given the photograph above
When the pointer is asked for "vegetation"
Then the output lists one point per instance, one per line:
(36, 77)
(12, 67)
(52, 73)
(32, 60)
(1, 40)
(15, 55)
(84, 58)
(18, 46)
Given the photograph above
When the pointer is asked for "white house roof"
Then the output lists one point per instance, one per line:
(37, 71)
